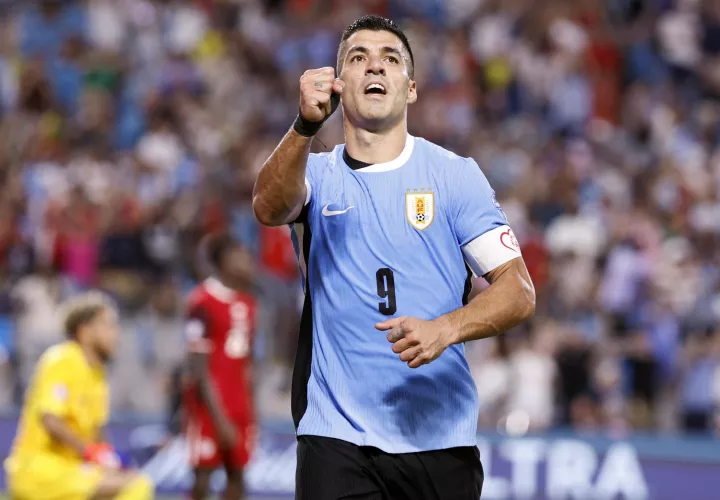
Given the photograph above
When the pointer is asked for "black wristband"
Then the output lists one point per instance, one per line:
(305, 127)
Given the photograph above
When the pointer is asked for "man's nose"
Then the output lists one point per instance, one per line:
(375, 66)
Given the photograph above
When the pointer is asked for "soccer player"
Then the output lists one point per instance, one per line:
(387, 229)
(60, 452)
(220, 426)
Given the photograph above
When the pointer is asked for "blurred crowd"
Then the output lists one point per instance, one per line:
(130, 129)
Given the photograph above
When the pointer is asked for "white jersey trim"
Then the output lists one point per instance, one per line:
(219, 291)
(379, 167)
(308, 190)
(490, 250)
(392, 164)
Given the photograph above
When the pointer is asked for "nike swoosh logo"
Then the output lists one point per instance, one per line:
(329, 213)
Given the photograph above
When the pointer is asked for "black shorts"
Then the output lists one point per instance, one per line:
(330, 469)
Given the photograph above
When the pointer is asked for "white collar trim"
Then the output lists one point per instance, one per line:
(219, 291)
(393, 164)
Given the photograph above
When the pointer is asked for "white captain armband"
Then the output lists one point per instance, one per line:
(490, 250)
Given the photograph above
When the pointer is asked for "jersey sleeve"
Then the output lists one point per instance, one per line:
(480, 225)
(313, 172)
(55, 383)
(197, 328)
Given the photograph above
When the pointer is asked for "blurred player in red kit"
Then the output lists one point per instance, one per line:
(220, 424)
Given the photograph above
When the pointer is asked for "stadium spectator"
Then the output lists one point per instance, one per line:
(36, 297)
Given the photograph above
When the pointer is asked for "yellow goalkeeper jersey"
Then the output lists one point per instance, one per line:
(66, 385)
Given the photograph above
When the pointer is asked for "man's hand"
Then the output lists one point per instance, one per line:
(316, 89)
(102, 454)
(417, 341)
(226, 436)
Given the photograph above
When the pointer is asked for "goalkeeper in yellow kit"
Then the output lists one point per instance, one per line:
(60, 452)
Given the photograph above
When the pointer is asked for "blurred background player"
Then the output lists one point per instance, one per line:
(60, 450)
(220, 424)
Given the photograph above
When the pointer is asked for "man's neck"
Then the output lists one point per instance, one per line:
(91, 356)
(235, 285)
(375, 147)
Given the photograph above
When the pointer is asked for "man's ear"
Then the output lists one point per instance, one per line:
(412, 92)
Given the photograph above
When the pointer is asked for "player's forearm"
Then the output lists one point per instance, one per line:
(212, 403)
(279, 193)
(509, 301)
(205, 389)
(60, 432)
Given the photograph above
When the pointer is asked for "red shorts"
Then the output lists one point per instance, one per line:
(205, 451)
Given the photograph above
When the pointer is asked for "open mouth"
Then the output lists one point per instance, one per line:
(375, 88)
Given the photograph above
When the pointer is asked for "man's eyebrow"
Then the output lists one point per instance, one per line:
(358, 48)
(364, 50)
(391, 50)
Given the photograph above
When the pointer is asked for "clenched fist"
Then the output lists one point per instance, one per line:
(316, 91)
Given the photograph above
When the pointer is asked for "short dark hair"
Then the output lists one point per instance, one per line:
(376, 23)
(81, 310)
(218, 245)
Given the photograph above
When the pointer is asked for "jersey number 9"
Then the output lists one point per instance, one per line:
(386, 290)
(237, 344)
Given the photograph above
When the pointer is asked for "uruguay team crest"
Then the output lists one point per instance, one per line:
(420, 208)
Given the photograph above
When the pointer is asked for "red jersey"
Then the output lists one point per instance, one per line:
(221, 322)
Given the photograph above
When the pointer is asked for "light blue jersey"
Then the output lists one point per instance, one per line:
(388, 240)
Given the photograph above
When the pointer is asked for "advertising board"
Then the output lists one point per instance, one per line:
(557, 466)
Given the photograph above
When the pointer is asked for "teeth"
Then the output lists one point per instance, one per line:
(375, 86)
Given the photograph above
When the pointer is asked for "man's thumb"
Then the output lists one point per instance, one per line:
(389, 323)
(334, 101)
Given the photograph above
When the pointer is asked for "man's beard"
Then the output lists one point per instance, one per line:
(103, 355)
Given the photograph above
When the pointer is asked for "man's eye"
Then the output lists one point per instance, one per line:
(393, 60)
(356, 58)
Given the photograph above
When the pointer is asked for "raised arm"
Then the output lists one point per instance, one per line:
(280, 191)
